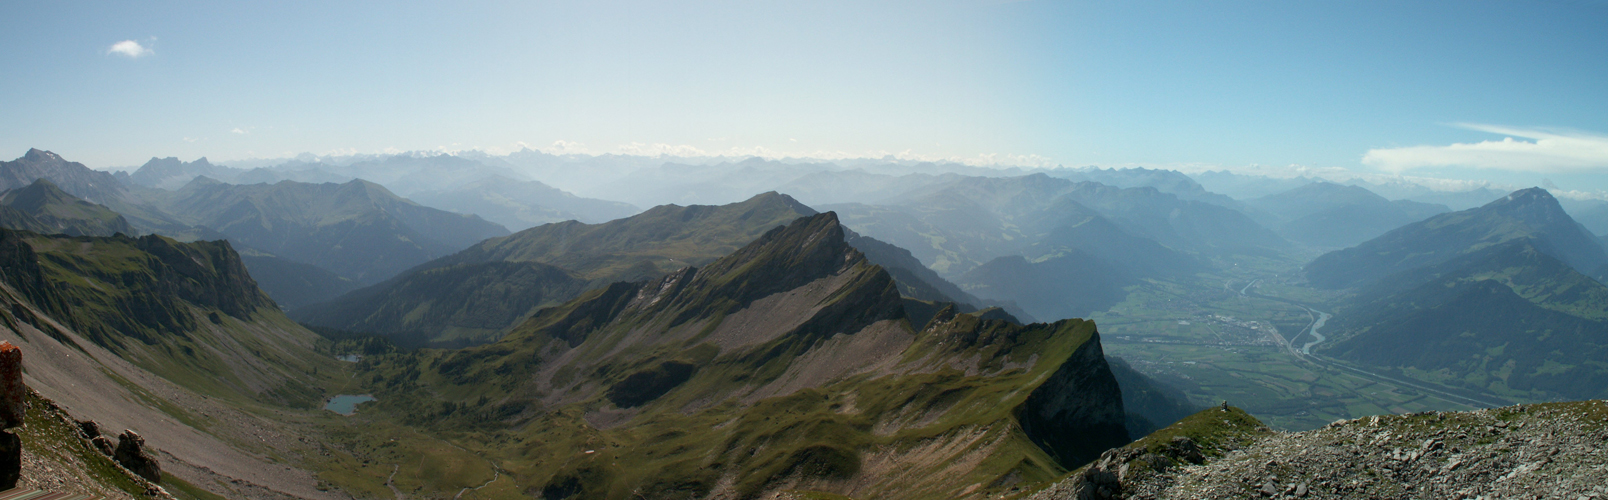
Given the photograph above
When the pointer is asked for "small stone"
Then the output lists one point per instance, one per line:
(1301, 490)
(1269, 489)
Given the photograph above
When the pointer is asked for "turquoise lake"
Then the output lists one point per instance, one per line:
(346, 404)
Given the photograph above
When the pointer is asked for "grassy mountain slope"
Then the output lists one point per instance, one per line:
(573, 255)
(173, 340)
(161, 303)
(358, 230)
(1510, 320)
(787, 365)
(519, 205)
(63, 213)
(11, 218)
(1531, 214)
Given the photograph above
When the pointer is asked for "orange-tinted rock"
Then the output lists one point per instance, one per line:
(12, 393)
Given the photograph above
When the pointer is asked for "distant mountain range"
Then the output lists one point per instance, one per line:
(358, 230)
(93, 186)
(439, 181)
(520, 205)
(1325, 214)
(1054, 247)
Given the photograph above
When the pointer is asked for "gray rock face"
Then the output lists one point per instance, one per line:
(132, 455)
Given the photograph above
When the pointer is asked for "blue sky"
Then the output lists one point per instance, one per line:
(1416, 88)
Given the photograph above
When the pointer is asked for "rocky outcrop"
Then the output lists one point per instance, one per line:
(131, 454)
(90, 431)
(1078, 412)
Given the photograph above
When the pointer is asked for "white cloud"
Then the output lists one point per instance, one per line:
(238, 131)
(1546, 151)
(130, 48)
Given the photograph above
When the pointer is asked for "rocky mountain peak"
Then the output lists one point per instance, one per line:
(1533, 205)
(37, 155)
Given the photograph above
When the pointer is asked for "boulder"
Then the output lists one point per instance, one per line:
(1184, 449)
(132, 455)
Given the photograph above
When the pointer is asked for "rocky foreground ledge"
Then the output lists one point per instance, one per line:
(1553, 450)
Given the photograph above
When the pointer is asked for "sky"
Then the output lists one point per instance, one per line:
(1514, 92)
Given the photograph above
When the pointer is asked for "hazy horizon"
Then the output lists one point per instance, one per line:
(1506, 93)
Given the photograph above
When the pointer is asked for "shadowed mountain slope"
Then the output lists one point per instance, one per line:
(60, 212)
(1531, 214)
(294, 284)
(786, 365)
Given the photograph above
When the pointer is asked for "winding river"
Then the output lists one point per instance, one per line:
(1317, 338)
